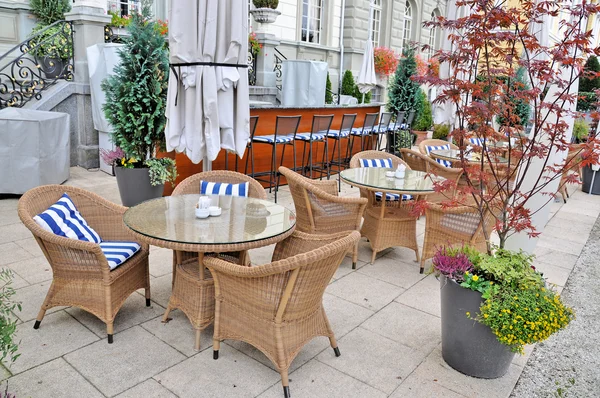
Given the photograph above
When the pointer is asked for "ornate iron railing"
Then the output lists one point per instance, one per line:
(32, 66)
(110, 36)
(252, 68)
(279, 58)
(334, 96)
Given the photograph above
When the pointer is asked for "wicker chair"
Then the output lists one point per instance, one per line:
(432, 142)
(392, 226)
(573, 163)
(278, 307)
(320, 211)
(81, 276)
(453, 226)
(191, 185)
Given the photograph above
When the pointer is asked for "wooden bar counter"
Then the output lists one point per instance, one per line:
(267, 116)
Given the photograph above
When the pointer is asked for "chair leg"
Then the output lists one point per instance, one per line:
(334, 345)
(273, 174)
(109, 332)
(285, 381)
(355, 256)
(167, 311)
(39, 319)
(373, 256)
(216, 346)
(44, 307)
(197, 342)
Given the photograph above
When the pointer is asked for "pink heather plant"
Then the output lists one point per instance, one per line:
(452, 265)
(111, 157)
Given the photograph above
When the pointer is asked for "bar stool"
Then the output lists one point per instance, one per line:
(249, 153)
(382, 128)
(365, 133)
(392, 131)
(338, 135)
(286, 128)
(318, 133)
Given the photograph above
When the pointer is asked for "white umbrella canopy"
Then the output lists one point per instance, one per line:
(208, 101)
(367, 79)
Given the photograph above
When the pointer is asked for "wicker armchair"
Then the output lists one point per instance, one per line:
(81, 276)
(454, 226)
(191, 185)
(414, 159)
(320, 211)
(393, 225)
(433, 142)
(278, 307)
(573, 164)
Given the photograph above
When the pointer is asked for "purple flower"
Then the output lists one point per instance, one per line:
(452, 265)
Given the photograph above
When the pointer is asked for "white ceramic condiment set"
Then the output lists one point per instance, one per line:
(204, 209)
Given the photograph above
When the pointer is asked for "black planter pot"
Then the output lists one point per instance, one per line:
(53, 68)
(467, 345)
(586, 178)
(134, 186)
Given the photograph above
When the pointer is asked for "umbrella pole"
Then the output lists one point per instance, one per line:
(206, 164)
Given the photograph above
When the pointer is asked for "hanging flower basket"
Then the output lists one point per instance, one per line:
(265, 15)
(386, 61)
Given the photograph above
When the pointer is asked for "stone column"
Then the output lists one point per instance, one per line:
(88, 18)
(265, 62)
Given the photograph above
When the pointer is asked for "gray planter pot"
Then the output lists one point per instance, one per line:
(586, 178)
(53, 68)
(467, 345)
(265, 15)
(134, 186)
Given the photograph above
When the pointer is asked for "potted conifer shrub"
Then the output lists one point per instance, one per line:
(136, 97)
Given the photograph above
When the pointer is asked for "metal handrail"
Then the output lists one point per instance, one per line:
(40, 64)
(279, 58)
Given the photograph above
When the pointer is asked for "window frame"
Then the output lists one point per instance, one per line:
(307, 31)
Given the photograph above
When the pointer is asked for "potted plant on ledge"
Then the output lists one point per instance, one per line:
(492, 306)
(136, 98)
(265, 11)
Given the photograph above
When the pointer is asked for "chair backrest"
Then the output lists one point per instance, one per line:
(370, 121)
(253, 124)
(355, 161)
(348, 121)
(434, 142)
(287, 125)
(386, 118)
(414, 159)
(191, 185)
(399, 119)
(411, 117)
(321, 124)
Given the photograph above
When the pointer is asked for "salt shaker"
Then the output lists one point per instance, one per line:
(400, 171)
(204, 202)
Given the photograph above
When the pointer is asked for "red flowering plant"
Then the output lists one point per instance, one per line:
(386, 61)
(253, 44)
(515, 174)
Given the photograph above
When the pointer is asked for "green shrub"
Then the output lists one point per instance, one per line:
(266, 3)
(8, 322)
(581, 130)
(55, 42)
(328, 93)
(441, 131)
(403, 92)
(49, 11)
(423, 118)
(348, 83)
(403, 139)
(586, 101)
(589, 83)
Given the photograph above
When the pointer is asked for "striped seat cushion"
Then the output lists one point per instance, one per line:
(315, 136)
(376, 163)
(381, 129)
(63, 219)
(117, 252)
(443, 162)
(476, 141)
(222, 188)
(393, 197)
(338, 133)
(360, 131)
(270, 139)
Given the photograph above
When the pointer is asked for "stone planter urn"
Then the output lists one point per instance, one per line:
(265, 15)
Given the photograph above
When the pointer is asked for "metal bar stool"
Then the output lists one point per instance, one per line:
(391, 145)
(249, 152)
(365, 132)
(318, 133)
(382, 128)
(338, 135)
(286, 128)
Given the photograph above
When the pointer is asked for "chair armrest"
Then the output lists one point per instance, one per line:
(329, 186)
(334, 213)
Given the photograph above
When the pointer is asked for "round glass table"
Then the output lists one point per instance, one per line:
(453, 155)
(170, 222)
(374, 179)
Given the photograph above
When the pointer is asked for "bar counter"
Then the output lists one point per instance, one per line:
(267, 115)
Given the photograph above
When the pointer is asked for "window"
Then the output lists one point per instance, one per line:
(433, 36)
(407, 34)
(311, 21)
(376, 26)
(377, 94)
(124, 7)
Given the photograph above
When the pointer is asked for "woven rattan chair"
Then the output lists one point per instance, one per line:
(573, 164)
(320, 211)
(393, 226)
(81, 276)
(278, 307)
(454, 226)
(191, 185)
(432, 142)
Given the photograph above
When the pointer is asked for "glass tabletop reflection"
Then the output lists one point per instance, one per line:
(172, 218)
(414, 181)
(454, 155)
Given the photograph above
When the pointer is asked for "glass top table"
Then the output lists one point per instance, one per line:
(374, 178)
(454, 155)
(245, 223)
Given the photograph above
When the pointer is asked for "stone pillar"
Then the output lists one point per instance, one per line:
(265, 62)
(88, 18)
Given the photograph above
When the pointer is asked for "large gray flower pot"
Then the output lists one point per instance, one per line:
(134, 186)
(467, 345)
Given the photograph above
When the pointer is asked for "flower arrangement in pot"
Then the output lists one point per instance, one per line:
(265, 10)
(135, 107)
(492, 306)
(386, 61)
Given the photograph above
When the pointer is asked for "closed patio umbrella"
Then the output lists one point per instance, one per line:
(367, 79)
(207, 105)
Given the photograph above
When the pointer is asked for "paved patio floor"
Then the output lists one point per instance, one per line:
(385, 316)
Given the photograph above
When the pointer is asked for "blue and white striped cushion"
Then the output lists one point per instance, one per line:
(63, 219)
(117, 252)
(443, 162)
(306, 136)
(338, 133)
(476, 141)
(360, 131)
(222, 188)
(281, 139)
(381, 129)
(392, 196)
(376, 163)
